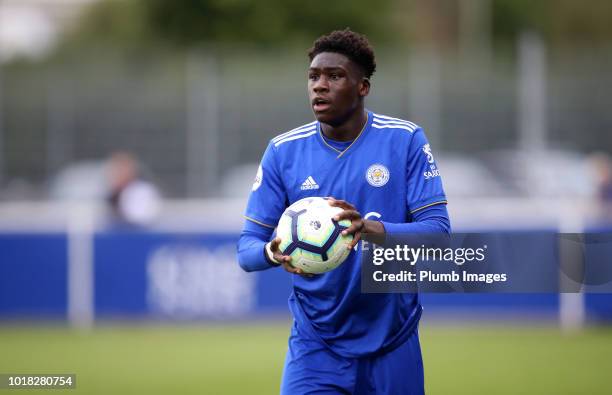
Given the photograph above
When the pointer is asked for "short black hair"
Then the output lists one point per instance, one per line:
(353, 45)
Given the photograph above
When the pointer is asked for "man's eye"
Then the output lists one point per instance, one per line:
(334, 76)
(313, 77)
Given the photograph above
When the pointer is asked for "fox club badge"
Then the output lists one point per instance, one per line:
(377, 175)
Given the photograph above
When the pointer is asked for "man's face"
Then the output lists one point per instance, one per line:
(336, 87)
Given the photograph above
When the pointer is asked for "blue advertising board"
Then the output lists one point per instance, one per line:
(187, 276)
(33, 275)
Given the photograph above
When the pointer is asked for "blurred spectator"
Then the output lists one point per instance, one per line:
(132, 199)
(603, 176)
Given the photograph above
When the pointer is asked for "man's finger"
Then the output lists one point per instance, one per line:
(275, 243)
(295, 270)
(290, 268)
(282, 258)
(356, 239)
(355, 227)
(347, 214)
(301, 273)
(341, 203)
(344, 205)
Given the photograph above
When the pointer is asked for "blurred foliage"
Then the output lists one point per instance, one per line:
(191, 22)
(560, 21)
(269, 23)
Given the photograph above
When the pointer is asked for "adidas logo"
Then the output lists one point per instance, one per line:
(309, 183)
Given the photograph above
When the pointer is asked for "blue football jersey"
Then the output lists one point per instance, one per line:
(388, 172)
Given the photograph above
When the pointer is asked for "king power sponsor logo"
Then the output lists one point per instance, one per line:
(433, 169)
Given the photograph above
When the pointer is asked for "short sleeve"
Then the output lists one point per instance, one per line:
(268, 197)
(423, 176)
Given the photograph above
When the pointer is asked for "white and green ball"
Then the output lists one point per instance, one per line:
(311, 237)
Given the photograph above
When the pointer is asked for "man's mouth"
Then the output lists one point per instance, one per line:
(320, 104)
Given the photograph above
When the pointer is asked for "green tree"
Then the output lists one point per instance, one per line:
(560, 21)
(261, 22)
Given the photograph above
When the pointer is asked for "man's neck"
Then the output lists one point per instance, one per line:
(349, 129)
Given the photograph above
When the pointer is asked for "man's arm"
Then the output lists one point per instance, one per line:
(425, 199)
(251, 247)
(257, 252)
(252, 255)
(431, 219)
(266, 204)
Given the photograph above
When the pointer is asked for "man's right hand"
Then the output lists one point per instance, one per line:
(285, 260)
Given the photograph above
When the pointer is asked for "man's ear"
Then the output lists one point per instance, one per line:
(364, 87)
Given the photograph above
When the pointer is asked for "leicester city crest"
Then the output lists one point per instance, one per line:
(377, 175)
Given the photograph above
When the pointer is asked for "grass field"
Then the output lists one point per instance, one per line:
(248, 359)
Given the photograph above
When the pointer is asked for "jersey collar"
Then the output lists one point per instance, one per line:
(360, 137)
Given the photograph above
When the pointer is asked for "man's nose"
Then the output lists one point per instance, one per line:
(321, 85)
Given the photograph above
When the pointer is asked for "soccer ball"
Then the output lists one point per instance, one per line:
(311, 237)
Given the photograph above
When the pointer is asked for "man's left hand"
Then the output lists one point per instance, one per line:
(358, 224)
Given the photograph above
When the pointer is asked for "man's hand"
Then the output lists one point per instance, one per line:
(358, 224)
(285, 260)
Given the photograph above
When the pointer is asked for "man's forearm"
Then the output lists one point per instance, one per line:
(434, 219)
(251, 248)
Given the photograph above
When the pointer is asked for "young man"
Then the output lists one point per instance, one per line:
(343, 341)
